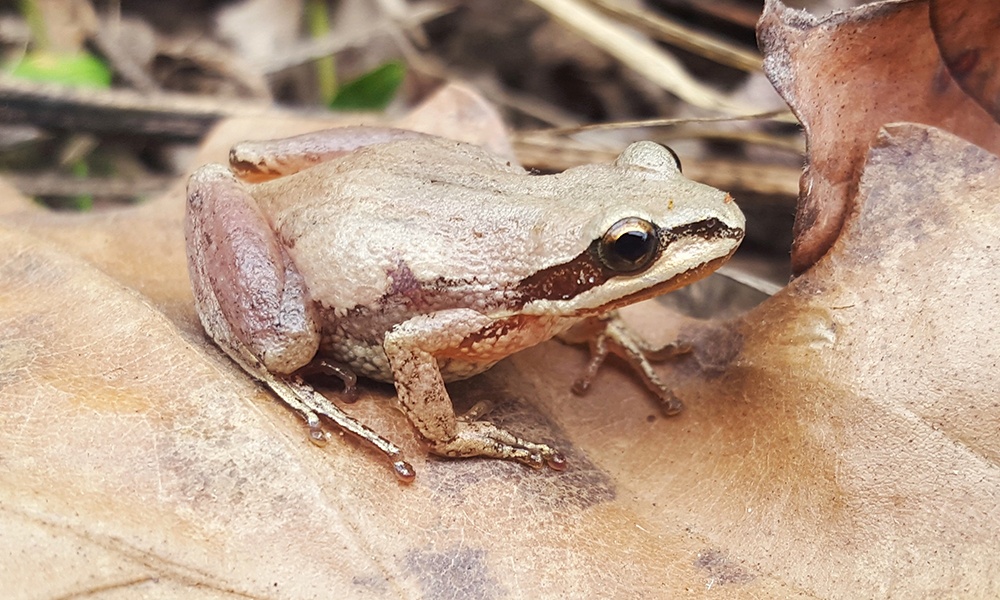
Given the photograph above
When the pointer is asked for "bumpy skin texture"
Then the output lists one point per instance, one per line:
(419, 260)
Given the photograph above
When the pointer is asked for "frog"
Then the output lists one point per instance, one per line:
(418, 260)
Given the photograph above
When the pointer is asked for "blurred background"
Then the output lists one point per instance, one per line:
(103, 103)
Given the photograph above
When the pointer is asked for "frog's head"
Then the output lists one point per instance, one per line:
(647, 231)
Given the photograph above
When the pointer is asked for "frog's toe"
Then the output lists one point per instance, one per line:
(556, 462)
(477, 411)
(324, 366)
(480, 438)
(670, 404)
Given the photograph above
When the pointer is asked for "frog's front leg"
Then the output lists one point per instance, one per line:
(412, 348)
(608, 333)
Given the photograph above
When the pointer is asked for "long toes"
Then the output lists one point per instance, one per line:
(484, 439)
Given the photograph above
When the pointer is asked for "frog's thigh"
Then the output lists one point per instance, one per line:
(261, 161)
(250, 296)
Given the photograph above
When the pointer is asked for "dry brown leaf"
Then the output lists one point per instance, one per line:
(841, 444)
(875, 447)
(845, 76)
(966, 34)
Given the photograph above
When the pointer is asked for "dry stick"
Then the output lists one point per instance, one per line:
(171, 115)
(68, 186)
(783, 115)
(756, 282)
(335, 42)
(769, 181)
(682, 36)
(776, 185)
(793, 144)
(640, 54)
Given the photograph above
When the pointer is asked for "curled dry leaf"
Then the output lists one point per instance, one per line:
(966, 33)
(840, 443)
(850, 73)
(870, 387)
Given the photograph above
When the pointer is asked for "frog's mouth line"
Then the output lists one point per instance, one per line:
(676, 282)
(568, 280)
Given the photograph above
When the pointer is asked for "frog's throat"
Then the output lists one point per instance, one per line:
(566, 281)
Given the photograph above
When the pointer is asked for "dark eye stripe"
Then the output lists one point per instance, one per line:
(562, 282)
(570, 279)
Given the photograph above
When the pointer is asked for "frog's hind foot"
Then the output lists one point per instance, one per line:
(480, 438)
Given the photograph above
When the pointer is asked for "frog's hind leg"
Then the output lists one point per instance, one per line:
(302, 398)
(248, 292)
(253, 302)
(265, 160)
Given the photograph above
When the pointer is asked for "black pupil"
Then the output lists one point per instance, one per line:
(633, 245)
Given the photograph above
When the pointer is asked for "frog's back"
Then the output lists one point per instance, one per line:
(393, 219)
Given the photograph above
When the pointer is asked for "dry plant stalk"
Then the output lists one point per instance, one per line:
(639, 54)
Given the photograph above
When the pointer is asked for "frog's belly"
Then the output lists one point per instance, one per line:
(477, 353)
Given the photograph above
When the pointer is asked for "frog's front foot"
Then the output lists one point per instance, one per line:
(481, 438)
(608, 334)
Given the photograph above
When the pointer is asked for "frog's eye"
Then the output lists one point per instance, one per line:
(628, 246)
(652, 156)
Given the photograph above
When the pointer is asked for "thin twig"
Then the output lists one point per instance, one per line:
(177, 116)
(793, 144)
(779, 115)
(335, 42)
(778, 182)
(682, 36)
(68, 186)
(638, 53)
